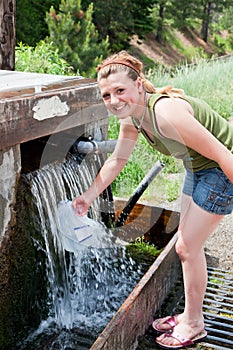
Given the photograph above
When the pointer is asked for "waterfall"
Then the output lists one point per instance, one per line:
(85, 288)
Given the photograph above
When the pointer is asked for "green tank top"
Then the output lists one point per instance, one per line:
(210, 119)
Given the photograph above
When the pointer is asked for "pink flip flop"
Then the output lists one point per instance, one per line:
(170, 320)
(183, 342)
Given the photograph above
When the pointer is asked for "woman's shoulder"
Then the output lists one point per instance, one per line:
(167, 104)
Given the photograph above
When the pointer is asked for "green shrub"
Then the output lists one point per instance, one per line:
(74, 34)
(43, 58)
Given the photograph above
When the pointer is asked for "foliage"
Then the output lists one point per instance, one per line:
(182, 14)
(72, 31)
(140, 14)
(115, 21)
(225, 20)
(30, 20)
(223, 30)
(189, 52)
(209, 80)
(119, 20)
(43, 58)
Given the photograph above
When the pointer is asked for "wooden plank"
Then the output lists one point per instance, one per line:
(15, 84)
(65, 103)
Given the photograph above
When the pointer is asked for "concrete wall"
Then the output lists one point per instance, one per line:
(10, 165)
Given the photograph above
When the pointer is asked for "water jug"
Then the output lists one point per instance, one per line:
(77, 231)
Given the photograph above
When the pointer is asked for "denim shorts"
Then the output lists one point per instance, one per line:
(211, 190)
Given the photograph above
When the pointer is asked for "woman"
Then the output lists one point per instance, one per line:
(186, 128)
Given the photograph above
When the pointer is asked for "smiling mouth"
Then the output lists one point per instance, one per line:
(119, 108)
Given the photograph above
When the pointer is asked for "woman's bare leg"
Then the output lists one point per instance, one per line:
(196, 225)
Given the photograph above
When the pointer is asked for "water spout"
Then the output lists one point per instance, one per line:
(92, 146)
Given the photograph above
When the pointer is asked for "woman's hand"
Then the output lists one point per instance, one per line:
(81, 205)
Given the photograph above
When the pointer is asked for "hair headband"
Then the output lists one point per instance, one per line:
(124, 63)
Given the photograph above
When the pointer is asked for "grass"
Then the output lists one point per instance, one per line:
(208, 80)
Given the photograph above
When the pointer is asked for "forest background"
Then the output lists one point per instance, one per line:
(83, 32)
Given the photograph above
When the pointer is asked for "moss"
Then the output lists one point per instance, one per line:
(143, 251)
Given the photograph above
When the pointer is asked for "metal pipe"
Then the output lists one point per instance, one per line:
(92, 146)
(138, 192)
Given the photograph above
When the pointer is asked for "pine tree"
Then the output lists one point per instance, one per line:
(72, 31)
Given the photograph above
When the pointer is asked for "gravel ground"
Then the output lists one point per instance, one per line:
(219, 246)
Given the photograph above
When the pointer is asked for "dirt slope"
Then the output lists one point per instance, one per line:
(170, 55)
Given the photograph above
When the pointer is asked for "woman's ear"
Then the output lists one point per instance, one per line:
(139, 84)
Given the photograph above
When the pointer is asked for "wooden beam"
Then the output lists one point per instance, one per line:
(61, 105)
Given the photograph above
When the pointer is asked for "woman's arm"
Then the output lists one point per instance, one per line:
(176, 121)
(127, 139)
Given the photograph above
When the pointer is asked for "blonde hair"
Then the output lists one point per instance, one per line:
(125, 62)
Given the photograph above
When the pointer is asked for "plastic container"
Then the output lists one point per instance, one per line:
(76, 231)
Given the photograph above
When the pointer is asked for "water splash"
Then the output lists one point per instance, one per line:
(85, 287)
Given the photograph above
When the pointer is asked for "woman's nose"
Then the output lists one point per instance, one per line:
(114, 100)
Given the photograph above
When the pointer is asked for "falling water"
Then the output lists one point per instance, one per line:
(87, 287)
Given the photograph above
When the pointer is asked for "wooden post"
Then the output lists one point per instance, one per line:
(7, 34)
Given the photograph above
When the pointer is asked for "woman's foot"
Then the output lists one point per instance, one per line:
(181, 335)
(165, 324)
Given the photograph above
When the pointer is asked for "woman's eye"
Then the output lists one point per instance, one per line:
(119, 91)
(105, 96)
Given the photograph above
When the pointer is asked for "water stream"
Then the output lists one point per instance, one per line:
(86, 287)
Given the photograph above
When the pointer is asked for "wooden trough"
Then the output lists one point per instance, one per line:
(135, 315)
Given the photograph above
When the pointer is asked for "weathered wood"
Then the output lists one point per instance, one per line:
(7, 34)
(38, 105)
(16, 84)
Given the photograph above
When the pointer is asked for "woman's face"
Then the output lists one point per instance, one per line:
(122, 96)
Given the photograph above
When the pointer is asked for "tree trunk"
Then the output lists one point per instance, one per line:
(159, 36)
(205, 22)
(7, 34)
